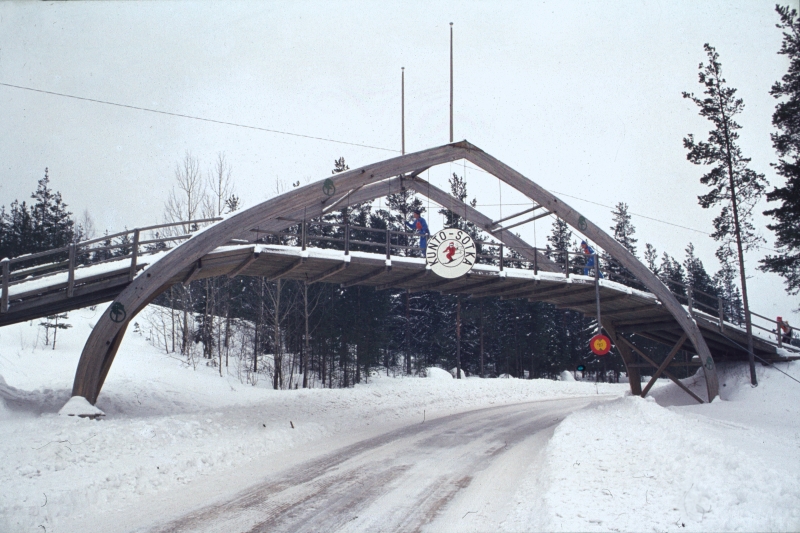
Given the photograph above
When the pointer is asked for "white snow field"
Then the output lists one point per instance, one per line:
(186, 450)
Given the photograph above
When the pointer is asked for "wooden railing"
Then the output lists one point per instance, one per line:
(347, 237)
(129, 245)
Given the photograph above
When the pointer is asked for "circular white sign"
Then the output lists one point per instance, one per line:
(450, 253)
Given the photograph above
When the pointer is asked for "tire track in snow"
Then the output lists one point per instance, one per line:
(401, 480)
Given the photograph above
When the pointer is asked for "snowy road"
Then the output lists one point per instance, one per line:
(458, 472)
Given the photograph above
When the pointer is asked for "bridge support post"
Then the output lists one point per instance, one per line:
(6, 277)
(71, 273)
(634, 376)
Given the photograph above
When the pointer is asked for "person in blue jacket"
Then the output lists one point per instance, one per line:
(420, 227)
(588, 251)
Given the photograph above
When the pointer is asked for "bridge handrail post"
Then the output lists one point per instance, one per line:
(535, 261)
(689, 298)
(134, 254)
(388, 243)
(501, 257)
(71, 274)
(303, 230)
(6, 276)
(721, 314)
(566, 263)
(347, 239)
(778, 332)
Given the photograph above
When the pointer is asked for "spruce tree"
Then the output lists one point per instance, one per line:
(623, 231)
(704, 289)
(787, 145)
(734, 186)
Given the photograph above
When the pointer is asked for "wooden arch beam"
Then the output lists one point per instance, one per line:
(580, 223)
(366, 183)
(102, 344)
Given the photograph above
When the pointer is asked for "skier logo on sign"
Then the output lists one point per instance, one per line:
(451, 253)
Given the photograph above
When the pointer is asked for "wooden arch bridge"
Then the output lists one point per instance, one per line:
(278, 238)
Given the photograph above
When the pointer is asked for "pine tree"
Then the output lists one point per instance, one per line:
(787, 145)
(704, 289)
(725, 279)
(53, 226)
(52, 322)
(561, 241)
(650, 257)
(734, 186)
(623, 231)
(673, 271)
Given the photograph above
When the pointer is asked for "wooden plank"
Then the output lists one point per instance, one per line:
(328, 273)
(285, 270)
(435, 285)
(134, 253)
(400, 282)
(45, 300)
(243, 265)
(508, 289)
(555, 205)
(515, 215)
(6, 275)
(473, 215)
(366, 277)
(664, 364)
(593, 301)
(633, 310)
(673, 364)
(71, 273)
(670, 376)
(193, 273)
(470, 289)
(639, 327)
(634, 376)
(549, 294)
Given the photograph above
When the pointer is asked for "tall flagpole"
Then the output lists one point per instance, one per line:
(451, 82)
(403, 107)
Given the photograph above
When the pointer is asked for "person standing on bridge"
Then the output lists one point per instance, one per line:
(589, 252)
(420, 227)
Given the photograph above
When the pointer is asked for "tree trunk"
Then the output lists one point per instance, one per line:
(481, 308)
(306, 347)
(458, 337)
(408, 334)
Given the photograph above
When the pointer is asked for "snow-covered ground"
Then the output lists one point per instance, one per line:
(623, 463)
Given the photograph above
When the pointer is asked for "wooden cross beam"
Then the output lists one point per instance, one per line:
(469, 289)
(401, 281)
(366, 277)
(328, 273)
(507, 290)
(241, 266)
(664, 364)
(282, 272)
(641, 327)
(593, 301)
(654, 365)
(653, 306)
(193, 273)
(551, 293)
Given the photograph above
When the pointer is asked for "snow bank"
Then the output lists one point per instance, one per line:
(169, 427)
(566, 375)
(438, 373)
(80, 406)
(633, 464)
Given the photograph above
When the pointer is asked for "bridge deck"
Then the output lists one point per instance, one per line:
(632, 311)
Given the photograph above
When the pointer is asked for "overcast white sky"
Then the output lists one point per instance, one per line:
(582, 97)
